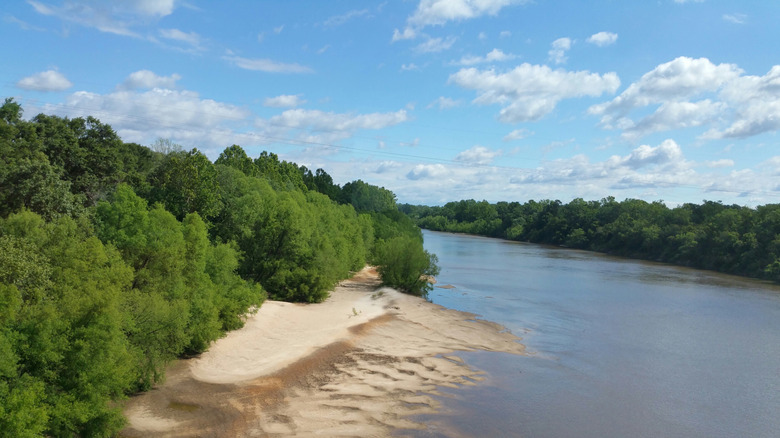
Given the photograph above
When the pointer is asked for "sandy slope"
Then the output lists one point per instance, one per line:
(358, 364)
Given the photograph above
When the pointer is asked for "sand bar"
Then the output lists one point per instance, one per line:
(360, 364)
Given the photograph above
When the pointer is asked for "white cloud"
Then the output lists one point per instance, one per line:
(266, 65)
(495, 55)
(325, 127)
(529, 92)
(675, 80)
(145, 79)
(190, 38)
(444, 103)
(667, 153)
(648, 172)
(439, 12)
(675, 115)
(433, 45)
(338, 20)
(427, 171)
(505, 34)
(407, 34)
(730, 104)
(156, 8)
(669, 85)
(735, 18)
(755, 102)
(49, 80)
(388, 166)
(719, 163)
(517, 134)
(182, 116)
(602, 39)
(111, 17)
(477, 155)
(645, 167)
(284, 101)
(558, 51)
(409, 67)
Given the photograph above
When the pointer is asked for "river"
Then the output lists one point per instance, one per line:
(617, 347)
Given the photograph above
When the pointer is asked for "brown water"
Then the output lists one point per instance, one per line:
(620, 348)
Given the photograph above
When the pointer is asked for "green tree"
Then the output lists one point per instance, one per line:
(404, 264)
(186, 182)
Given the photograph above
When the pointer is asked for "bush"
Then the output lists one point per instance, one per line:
(404, 264)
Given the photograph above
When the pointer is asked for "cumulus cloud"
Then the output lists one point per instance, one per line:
(678, 79)
(689, 93)
(669, 86)
(646, 172)
(755, 102)
(558, 51)
(49, 80)
(675, 115)
(145, 79)
(439, 12)
(387, 166)
(529, 92)
(141, 117)
(495, 55)
(477, 155)
(645, 167)
(266, 65)
(284, 101)
(602, 39)
(667, 153)
(407, 34)
(427, 171)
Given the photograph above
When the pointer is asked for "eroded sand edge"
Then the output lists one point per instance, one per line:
(359, 364)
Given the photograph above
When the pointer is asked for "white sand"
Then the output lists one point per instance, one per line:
(358, 364)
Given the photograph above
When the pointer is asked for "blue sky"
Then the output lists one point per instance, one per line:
(436, 100)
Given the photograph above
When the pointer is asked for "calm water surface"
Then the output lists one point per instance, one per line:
(618, 348)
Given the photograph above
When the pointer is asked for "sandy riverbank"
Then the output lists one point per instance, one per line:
(359, 364)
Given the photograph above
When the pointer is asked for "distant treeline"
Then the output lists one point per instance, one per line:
(725, 238)
(116, 258)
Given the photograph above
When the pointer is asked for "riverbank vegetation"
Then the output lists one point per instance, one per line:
(726, 238)
(116, 258)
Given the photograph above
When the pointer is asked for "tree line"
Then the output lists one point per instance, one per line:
(117, 258)
(726, 238)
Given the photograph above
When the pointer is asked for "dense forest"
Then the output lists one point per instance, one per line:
(116, 258)
(726, 238)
